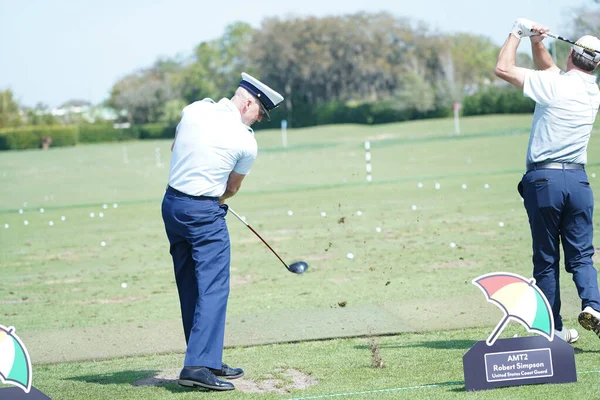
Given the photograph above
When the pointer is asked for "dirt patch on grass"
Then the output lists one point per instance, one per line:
(455, 264)
(65, 281)
(282, 382)
(237, 281)
(115, 300)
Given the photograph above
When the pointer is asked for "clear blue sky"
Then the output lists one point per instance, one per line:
(54, 51)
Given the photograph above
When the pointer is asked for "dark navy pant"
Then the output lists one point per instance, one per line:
(200, 249)
(560, 205)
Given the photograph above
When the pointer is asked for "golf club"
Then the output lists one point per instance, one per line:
(298, 267)
(587, 49)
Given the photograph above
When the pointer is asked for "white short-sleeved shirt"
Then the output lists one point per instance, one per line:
(211, 142)
(567, 104)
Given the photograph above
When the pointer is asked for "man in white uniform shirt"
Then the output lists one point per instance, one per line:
(213, 150)
(555, 189)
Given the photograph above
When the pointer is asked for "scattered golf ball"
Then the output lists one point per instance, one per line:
(453, 245)
(350, 256)
(413, 207)
(41, 210)
(51, 223)
(437, 186)
(500, 224)
(92, 215)
(20, 211)
(594, 175)
(105, 206)
(290, 213)
(63, 218)
(378, 229)
(123, 285)
(102, 244)
(5, 226)
(115, 205)
(464, 186)
(25, 222)
(419, 185)
(359, 213)
(369, 178)
(323, 214)
(101, 214)
(486, 186)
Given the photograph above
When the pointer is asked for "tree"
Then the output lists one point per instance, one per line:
(9, 110)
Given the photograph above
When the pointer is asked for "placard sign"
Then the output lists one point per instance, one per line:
(522, 360)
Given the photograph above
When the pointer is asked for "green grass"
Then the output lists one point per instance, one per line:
(62, 290)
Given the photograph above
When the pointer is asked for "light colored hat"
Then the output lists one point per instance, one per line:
(268, 98)
(589, 47)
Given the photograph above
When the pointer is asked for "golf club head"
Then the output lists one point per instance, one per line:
(299, 267)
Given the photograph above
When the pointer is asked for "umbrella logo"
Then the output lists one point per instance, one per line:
(15, 364)
(520, 300)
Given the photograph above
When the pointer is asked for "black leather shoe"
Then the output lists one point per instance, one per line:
(202, 377)
(227, 372)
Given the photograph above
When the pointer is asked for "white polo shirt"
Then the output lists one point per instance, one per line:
(211, 142)
(567, 104)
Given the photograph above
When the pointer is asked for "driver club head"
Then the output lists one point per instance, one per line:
(298, 267)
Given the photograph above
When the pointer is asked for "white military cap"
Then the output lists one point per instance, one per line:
(589, 47)
(268, 98)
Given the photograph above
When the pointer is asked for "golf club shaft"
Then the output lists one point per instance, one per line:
(570, 41)
(256, 233)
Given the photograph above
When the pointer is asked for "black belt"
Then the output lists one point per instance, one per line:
(177, 192)
(553, 165)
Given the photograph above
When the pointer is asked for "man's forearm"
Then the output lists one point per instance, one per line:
(508, 54)
(541, 57)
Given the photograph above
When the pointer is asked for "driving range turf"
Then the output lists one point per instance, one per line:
(404, 302)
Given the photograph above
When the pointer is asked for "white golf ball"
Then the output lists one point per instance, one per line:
(453, 245)
(486, 186)
(500, 224)
(350, 256)
(51, 223)
(102, 244)
(413, 207)
(594, 175)
(323, 214)
(63, 218)
(290, 213)
(464, 186)
(105, 206)
(41, 210)
(359, 213)
(25, 222)
(369, 178)
(419, 185)
(20, 211)
(101, 214)
(5, 226)
(123, 285)
(378, 229)
(115, 205)
(92, 215)
(437, 186)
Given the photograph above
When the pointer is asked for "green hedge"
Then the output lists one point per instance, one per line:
(105, 133)
(30, 137)
(497, 100)
(155, 131)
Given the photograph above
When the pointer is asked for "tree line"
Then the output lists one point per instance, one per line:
(363, 67)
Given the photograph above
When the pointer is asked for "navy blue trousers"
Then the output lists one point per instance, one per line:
(199, 245)
(560, 205)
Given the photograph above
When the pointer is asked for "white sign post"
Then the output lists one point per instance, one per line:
(457, 108)
(284, 133)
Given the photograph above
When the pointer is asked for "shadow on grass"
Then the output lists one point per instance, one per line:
(436, 344)
(137, 378)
